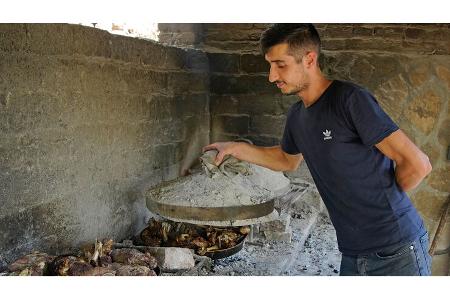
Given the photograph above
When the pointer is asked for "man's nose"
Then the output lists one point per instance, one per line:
(273, 75)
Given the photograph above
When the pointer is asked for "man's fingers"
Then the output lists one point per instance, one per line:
(209, 147)
(219, 158)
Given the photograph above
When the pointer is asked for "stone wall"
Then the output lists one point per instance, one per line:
(87, 121)
(181, 34)
(407, 67)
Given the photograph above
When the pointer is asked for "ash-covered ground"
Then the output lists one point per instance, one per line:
(318, 255)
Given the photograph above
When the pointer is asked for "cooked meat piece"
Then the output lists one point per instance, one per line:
(212, 248)
(107, 247)
(98, 271)
(126, 270)
(150, 237)
(200, 242)
(36, 263)
(105, 261)
(60, 265)
(201, 245)
(244, 230)
(227, 239)
(212, 237)
(79, 268)
(133, 257)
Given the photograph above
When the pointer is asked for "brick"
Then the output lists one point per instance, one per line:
(362, 31)
(246, 104)
(193, 104)
(332, 31)
(254, 63)
(232, 46)
(166, 155)
(426, 47)
(220, 136)
(263, 140)
(196, 60)
(179, 27)
(377, 44)
(435, 33)
(391, 32)
(221, 84)
(175, 58)
(333, 44)
(184, 82)
(224, 104)
(279, 236)
(172, 259)
(223, 62)
(267, 125)
(280, 225)
(234, 124)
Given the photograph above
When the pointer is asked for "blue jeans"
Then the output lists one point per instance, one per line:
(411, 259)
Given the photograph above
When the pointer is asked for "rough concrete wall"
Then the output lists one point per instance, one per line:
(87, 121)
(407, 67)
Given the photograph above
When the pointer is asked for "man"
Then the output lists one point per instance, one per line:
(361, 162)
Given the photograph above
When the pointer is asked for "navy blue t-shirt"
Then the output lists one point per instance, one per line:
(336, 136)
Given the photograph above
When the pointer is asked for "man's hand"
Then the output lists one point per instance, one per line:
(273, 158)
(224, 148)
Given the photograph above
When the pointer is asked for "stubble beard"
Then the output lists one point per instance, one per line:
(296, 90)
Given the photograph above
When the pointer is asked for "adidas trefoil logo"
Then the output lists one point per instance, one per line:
(327, 135)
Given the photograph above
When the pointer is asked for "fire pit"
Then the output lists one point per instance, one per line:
(214, 242)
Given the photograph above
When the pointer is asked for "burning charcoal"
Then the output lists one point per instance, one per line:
(34, 264)
(133, 257)
(126, 270)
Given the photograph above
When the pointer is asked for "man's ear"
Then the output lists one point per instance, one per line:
(310, 59)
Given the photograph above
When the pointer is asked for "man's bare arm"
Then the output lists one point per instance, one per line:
(273, 158)
(412, 165)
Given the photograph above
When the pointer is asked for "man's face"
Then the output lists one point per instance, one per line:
(289, 75)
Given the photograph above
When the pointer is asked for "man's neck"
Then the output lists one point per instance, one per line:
(316, 88)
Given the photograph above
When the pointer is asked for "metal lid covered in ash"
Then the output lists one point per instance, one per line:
(234, 193)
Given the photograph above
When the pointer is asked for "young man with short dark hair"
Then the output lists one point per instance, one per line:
(361, 162)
